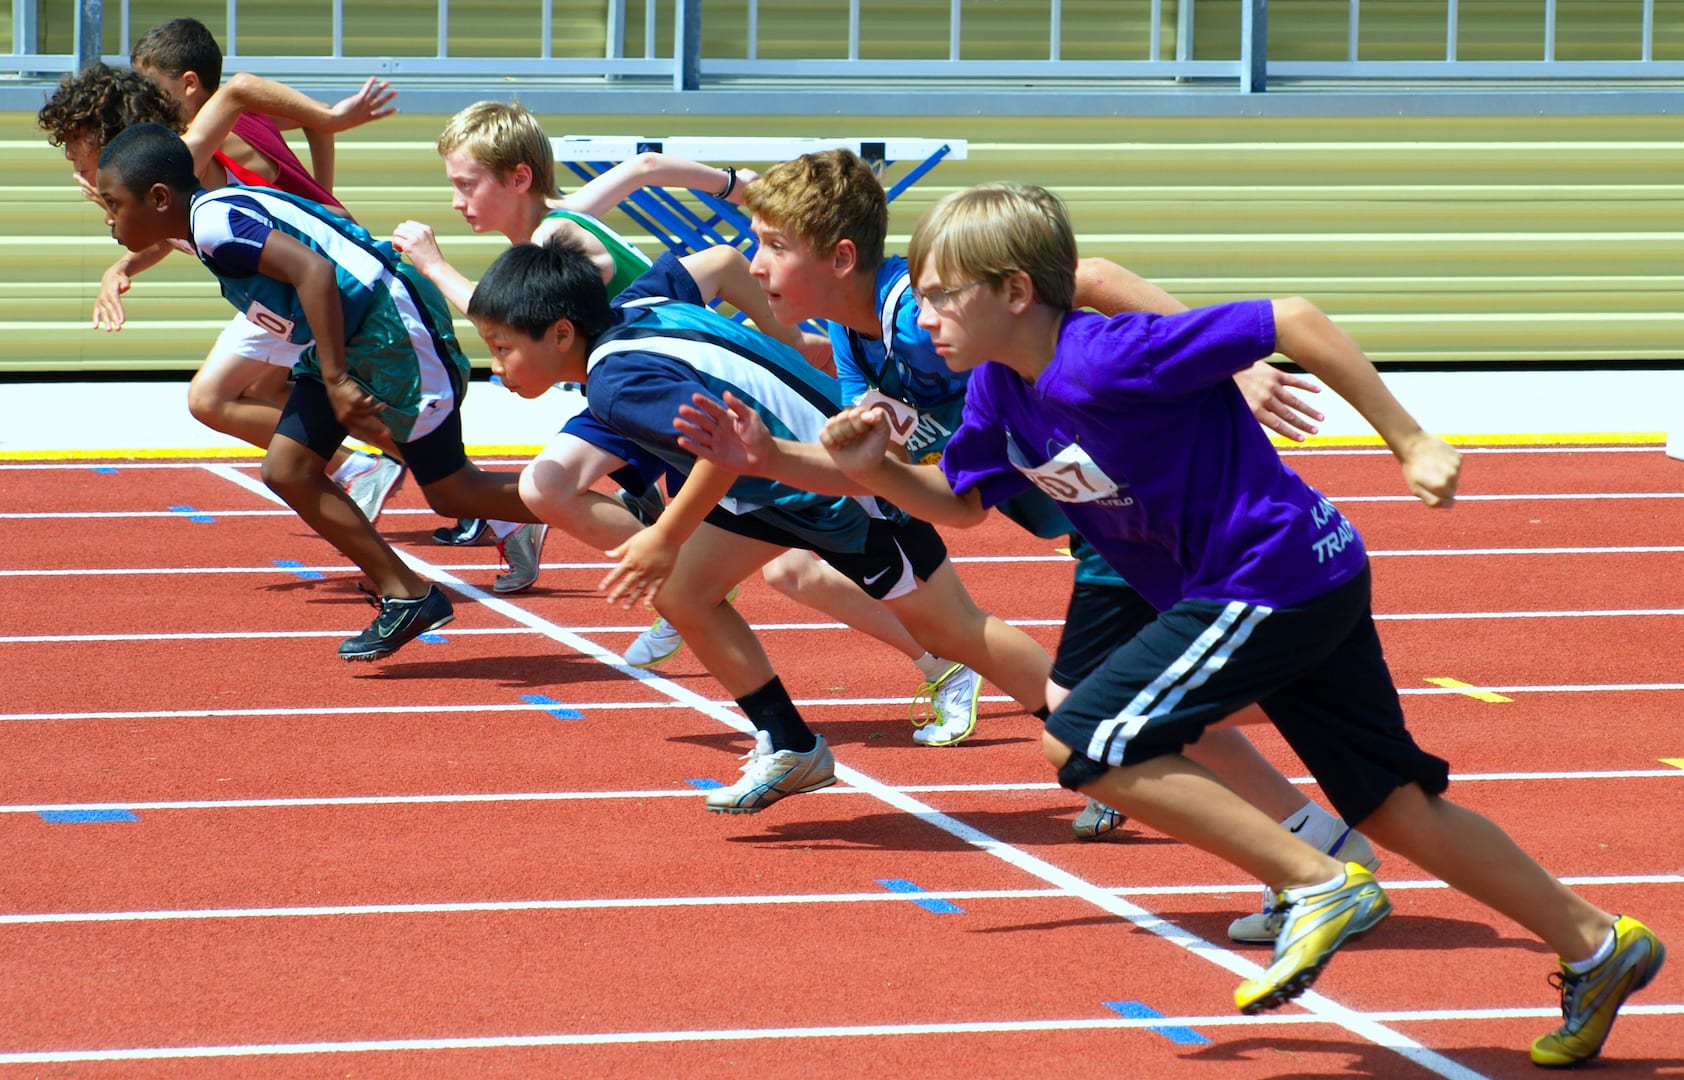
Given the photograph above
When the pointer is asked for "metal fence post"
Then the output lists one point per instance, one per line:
(687, 46)
(90, 32)
(1254, 46)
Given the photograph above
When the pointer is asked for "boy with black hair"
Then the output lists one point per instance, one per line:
(547, 318)
(380, 356)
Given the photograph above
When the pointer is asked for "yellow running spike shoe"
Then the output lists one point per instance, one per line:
(1315, 921)
(1589, 1002)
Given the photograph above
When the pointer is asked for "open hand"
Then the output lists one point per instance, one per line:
(108, 305)
(1268, 390)
(372, 102)
(646, 561)
(731, 435)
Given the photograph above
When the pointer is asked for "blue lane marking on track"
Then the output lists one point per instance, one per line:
(560, 711)
(77, 817)
(106, 469)
(1135, 1010)
(298, 568)
(704, 783)
(939, 906)
(432, 639)
(192, 514)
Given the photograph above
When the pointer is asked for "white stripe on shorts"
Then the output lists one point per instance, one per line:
(1192, 669)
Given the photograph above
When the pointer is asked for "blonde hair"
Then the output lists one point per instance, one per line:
(825, 198)
(501, 136)
(994, 230)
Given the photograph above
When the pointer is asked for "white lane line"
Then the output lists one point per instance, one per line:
(690, 793)
(978, 1027)
(1521, 497)
(720, 901)
(638, 628)
(586, 706)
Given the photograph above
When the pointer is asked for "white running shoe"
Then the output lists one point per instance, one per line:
(660, 641)
(654, 644)
(1096, 819)
(522, 550)
(1264, 927)
(944, 711)
(370, 489)
(769, 775)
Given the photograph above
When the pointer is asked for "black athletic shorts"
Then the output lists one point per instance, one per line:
(308, 418)
(1316, 669)
(1100, 619)
(897, 555)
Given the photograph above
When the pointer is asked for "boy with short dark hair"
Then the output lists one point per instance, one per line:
(1134, 423)
(381, 356)
(546, 317)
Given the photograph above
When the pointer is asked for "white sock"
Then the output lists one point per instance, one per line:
(502, 530)
(1313, 825)
(1602, 953)
(1321, 886)
(355, 465)
(933, 667)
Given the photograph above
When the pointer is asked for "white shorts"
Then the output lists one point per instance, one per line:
(242, 337)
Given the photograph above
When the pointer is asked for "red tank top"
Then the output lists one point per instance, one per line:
(263, 135)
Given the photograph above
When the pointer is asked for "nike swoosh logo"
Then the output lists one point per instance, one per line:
(872, 580)
(1298, 827)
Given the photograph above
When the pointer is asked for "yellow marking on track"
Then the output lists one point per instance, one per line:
(1062, 550)
(1470, 690)
(1675, 762)
(250, 453)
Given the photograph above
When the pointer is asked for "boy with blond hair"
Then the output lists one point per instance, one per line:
(501, 169)
(1133, 423)
(822, 220)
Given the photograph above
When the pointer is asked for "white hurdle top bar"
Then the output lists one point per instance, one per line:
(716, 148)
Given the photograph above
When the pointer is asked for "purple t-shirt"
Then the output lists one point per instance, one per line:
(1139, 432)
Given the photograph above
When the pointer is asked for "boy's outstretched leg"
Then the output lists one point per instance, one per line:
(408, 606)
(1323, 903)
(1604, 959)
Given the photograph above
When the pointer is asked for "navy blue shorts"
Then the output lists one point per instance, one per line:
(308, 418)
(1316, 669)
(897, 555)
(641, 468)
(1100, 618)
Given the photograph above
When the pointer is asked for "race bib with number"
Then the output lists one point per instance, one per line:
(270, 321)
(1071, 476)
(903, 418)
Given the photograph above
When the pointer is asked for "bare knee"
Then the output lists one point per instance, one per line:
(789, 572)
(1057, 753)
(288, 472)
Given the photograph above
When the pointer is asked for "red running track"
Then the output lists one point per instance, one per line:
(412, 869)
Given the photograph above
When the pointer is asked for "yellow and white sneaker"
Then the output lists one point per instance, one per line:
(1316, 920)
(1590, 1002)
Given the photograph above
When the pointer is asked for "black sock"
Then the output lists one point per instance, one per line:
(770, 710)
(1042, 713)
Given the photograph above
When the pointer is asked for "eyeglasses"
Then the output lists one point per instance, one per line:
(942, 299)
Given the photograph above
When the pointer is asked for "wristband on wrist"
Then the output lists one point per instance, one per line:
(730, 183)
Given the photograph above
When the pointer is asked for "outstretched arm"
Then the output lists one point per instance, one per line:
(416, 240)
(857, 439)
(732, 436)
(608, 190)
(1111, 289)
(250, 93)
(646, 560)
(722, 272)
(1305, 334)
(108, 305)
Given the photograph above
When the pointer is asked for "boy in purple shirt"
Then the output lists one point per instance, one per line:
(1134, 425)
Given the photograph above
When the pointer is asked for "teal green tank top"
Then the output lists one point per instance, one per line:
(629, 263)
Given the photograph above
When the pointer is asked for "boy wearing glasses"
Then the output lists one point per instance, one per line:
(1132, 423)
